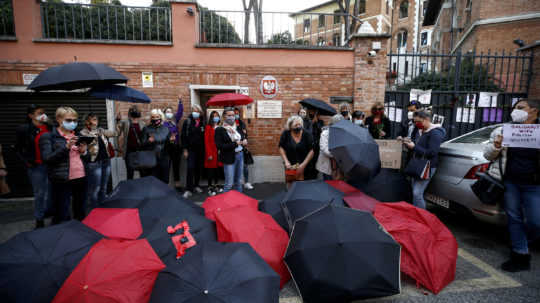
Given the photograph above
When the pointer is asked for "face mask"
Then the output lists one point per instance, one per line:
(196, 115)
(419, 125)
(42, 118)
(297, 129)
(410, 115)
(215, 119)
(229, 120)
(519, 116)
(359, 122)
(135, 114)
(155, 122)
(237, 117)
(169, 115)
(69, 125)
(345, 114)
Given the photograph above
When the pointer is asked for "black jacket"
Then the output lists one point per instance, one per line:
(373, 128)
(25, 146)
(225, 145)
(56, 155)
(193, 137)
(162, 144)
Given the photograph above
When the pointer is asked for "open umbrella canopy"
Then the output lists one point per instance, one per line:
(268, 239)
(342, 186)
(272, 206)
(75, 76)
(113, 271)
(355, 151)
(118, 223)
(305, 197)
(227, 200)
(340, 254)
(360, 201)
(217, 273)
(229, 99)
(430, 250)
(322, 107)
(33, 265)
(120, 93)
(390, 185)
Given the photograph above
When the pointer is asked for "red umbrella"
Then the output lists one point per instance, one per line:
(227, 200)
(428, 248)
(268, 239)
(361, 201)
(119, 223)
(229, 99)
(342, 186)
(113, 271)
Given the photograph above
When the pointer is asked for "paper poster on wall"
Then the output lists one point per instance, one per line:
(147, 79)
(465, 115)
(394, 114)
(487, 99)
(390, 153)
(28, 78)
(438, 119)
(422, 96)
(492, 115)
(521, 135)
(244, 91)
(471, 100)
(269, 109)
(248, 111)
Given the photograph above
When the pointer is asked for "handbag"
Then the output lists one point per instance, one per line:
(418, 168)
(110, 149)
(142, 159)
(248, 157)
(488, 189)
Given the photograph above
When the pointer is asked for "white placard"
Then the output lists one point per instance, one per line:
(467, 113)
(422, 96)
(487, 99)
(394, 114)
(471, 100)
(438, 119)
(28, 78)
(521, 135)
(244, 91)
(269, 109)
(147, 79)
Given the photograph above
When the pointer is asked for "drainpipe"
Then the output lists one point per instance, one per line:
(391, 27)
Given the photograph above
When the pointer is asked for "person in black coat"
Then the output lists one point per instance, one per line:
(64, 154)
(243, 128)
(230, 142)
(193, 149)
(378, 124)
(27, 148)
(157, 137)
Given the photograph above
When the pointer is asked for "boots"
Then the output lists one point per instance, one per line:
(39, 224)
(517, 262)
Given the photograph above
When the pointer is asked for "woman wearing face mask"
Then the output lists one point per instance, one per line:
(98, 166)
(378, 124)
(325, 163)
(27, 148)
(211, 162)
(345, 110)
(171, 122)
(358, 118)
(521, 177)
(193, 149)
(427, 147)
(231, 143)
(64, 155)
(296, 148)
(156, 137)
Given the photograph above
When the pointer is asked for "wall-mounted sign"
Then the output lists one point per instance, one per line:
(147, 79)
(269, 87)
(28, 78)
(244, 91)
(269, 109)
(341, 99)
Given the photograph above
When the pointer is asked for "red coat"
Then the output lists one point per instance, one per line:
(210, 149)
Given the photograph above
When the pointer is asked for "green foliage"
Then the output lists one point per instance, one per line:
(217, 29)
(7, 27)
(281, 38)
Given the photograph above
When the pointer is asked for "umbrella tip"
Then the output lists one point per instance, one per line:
(206, 291)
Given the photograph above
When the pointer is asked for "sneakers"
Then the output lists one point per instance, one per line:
(198, 190)
(187, 194)
(517, 262)
(211, 191)
(248, 186)
(219, 189)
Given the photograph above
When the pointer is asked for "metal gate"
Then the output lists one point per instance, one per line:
(456, 81)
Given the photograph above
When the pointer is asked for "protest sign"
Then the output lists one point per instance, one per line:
(521, 135)
(422, 96)
(487, 99)
(390, 153)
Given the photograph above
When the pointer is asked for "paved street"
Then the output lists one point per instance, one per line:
(482, 248)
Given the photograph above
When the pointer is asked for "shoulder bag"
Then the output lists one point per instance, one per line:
(488, 189)
(418, 168)
(142, 159)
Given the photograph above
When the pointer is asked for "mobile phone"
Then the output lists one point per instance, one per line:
(85, 139)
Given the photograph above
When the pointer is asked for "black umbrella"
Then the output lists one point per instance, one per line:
(322, 107)
(34, 265)
(305, 197)
(340, 254)
(76, 75)
(355, 150)
(272, 206)
(120, 93)
(390, 185)
(217, 272)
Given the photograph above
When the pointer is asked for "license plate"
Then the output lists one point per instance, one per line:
(437, 200)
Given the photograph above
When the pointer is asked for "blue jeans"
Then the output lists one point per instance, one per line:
(233, 173)
(41, 189)
(97, 174)
(418, 189)
(522, 203)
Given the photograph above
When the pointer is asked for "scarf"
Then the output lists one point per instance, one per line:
(233, 134)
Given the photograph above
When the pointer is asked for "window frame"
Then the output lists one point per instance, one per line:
(426, 33)
(323, 23)
(307, 25)
(406, 3)
(337, 18)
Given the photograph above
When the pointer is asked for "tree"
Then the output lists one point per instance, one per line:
(281, 38)
(217, 29)
(345, 8)
(247, 19)
(256, 7)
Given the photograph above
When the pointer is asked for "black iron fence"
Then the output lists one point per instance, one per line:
(315, 30)
(7, 24)
(465, 91)
(67, 21)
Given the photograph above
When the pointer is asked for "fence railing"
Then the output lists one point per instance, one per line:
(66, 21)
(7, 24)
(315, 30)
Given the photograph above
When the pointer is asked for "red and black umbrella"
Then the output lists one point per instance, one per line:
(227, 200)
(361, 201)
(117, 223)
(342, 186)
(229, 99)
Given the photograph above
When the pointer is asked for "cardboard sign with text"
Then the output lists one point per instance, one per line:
(521, 135)
(390, 153)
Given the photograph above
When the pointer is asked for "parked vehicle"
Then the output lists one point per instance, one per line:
(459, 161)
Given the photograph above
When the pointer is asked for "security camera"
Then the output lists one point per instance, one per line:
(372, 53)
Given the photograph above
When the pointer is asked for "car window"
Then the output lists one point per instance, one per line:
(476, 137)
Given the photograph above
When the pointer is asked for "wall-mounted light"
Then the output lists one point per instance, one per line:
(189, 10)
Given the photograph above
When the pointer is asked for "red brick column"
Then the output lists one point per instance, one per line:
(369, 72)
